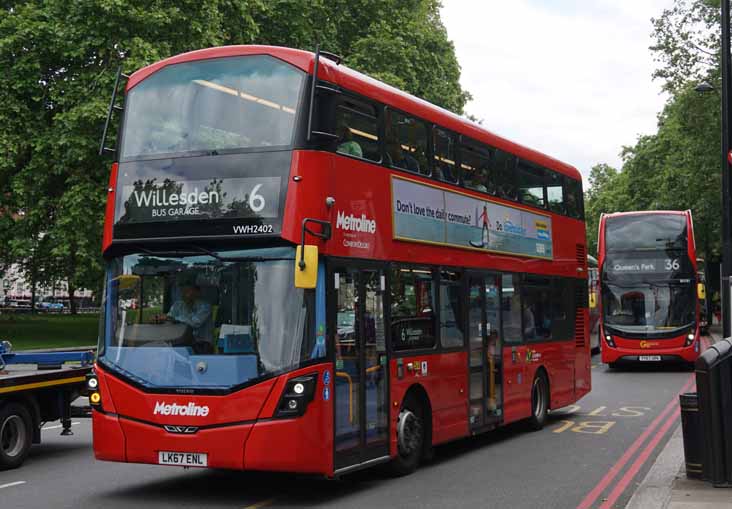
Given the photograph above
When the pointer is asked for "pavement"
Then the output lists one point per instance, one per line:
(666, 486)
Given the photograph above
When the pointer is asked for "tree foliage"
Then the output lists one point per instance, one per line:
(678, 167)
(59, 61)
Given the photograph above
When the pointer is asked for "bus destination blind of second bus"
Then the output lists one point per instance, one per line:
(645, 265)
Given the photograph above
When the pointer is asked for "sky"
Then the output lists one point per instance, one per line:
(570, 78)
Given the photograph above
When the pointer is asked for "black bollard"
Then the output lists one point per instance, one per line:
(692, 432)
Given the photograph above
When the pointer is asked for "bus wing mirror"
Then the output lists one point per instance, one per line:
(306, 266)
(701, 291)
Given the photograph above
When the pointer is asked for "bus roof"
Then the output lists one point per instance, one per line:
(642, 212)
(369, 87)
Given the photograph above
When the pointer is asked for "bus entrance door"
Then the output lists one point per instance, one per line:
(361, 384)
(485, 352)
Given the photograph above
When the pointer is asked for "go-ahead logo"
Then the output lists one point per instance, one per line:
(648, 344)
(189, 410)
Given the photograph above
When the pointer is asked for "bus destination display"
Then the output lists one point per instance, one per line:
(185, 200)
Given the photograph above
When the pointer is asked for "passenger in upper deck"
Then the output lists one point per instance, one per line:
(346, 143)
(397, 157)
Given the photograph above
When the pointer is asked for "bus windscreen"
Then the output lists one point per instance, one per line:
(645, 232)
(205, 320)
(648, 307)
(214, 105)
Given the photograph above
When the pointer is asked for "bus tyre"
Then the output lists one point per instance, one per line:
(539, 401)
(410, 438)
(16, 435)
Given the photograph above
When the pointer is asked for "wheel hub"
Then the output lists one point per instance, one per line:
(409, 432)
(538, 397)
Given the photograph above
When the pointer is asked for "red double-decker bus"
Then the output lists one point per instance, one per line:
(648, 278)
(311, 271)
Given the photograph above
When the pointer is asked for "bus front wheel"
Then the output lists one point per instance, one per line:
(410, 438)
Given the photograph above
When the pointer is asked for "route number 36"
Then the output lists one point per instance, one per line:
(673, 264)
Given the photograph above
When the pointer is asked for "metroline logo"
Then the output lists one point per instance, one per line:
(190, 410)
(353, 223)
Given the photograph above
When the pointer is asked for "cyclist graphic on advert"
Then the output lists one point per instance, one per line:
(485, 234)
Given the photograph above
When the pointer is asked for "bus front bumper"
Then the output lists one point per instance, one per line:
(621, 355)
(262, 442)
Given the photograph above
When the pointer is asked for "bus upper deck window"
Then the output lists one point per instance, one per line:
(531, 183)
(445, 167)
(475, 163)
(555, 192)
(358, 130)
(406, 143)
(505, 169)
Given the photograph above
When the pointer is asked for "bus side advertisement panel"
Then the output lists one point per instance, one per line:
(423, 213)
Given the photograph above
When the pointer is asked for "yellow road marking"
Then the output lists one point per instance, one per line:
(261, 503)
(36, 385)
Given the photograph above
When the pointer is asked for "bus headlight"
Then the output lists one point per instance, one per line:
(298, 393)
(92, 389)
(689, 339)
(609, 340)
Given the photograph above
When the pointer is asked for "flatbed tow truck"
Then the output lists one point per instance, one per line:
(36, 388)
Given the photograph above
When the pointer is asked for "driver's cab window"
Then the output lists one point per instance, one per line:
(174, 307)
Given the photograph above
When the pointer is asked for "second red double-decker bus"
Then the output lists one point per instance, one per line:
(648, 278)
(311, 271)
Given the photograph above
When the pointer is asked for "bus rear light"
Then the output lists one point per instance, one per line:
(298, 393)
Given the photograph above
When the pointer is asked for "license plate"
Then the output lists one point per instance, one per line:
(652, 358)
(183, 459)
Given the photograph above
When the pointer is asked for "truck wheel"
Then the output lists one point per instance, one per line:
(539, 402)
(16, 435)
(410, 438)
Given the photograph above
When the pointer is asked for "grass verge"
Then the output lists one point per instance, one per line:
(49, 331)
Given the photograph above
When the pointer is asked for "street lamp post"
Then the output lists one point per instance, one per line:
(726, 181)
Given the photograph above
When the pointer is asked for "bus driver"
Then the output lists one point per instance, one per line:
(195, 312)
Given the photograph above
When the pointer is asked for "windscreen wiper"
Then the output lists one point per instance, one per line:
(203, 250)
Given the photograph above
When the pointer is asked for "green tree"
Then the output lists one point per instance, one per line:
(60, 60)
(678, 167)
(403, 43)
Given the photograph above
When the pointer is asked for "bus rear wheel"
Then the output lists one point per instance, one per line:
(539, 401)
(16, 435)
(410, 438)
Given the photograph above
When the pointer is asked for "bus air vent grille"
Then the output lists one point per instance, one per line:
(580, 297)
(581, 252)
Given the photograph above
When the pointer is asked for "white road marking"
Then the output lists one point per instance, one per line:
(60, 425)
(11, 484)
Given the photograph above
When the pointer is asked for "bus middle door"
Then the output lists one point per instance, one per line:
(361, 375)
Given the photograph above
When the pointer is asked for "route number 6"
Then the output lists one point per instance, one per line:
(673, 264)
(257, 203)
